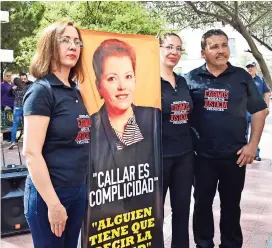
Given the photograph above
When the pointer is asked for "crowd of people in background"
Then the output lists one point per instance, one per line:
(12, 94)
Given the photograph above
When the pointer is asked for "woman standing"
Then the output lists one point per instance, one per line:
(56, 140)
(176, 140)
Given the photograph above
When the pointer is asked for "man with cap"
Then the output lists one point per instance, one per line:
(264, 91)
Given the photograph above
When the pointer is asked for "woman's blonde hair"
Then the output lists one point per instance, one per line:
(47, 52)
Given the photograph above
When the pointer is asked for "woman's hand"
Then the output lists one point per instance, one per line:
(57, 217)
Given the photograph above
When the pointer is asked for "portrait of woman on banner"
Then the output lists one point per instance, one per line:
(125, 139)
(114, 63)
(122, 132)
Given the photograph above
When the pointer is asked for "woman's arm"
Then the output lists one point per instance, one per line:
(35, 128)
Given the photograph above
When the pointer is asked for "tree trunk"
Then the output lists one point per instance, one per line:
(255, 52)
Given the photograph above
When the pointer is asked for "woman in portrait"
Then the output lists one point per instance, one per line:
(114, 64)
(124, 135)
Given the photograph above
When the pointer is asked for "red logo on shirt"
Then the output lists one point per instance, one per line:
(180, 111)
(84, 123)
(216, 99)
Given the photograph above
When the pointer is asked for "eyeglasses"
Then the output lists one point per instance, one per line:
(69, 42)
(171, 48)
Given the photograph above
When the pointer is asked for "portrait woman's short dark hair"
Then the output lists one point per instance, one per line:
(110, 48)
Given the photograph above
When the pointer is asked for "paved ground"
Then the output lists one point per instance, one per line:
(256, 203)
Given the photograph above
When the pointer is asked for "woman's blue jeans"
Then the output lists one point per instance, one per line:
(36, 213)
(17, 115)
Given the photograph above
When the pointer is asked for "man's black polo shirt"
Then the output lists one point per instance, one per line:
(65, 149)
(176, 107)
(220, 103)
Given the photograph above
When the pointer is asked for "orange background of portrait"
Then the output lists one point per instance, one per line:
(148, 86)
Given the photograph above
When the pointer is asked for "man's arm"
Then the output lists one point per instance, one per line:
(257, 125)
(267, 98)
(247, 152)
(266, 95)
(2, 90)
(257, 108)
(11, 93)
(267, 101)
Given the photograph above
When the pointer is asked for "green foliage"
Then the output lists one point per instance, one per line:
(24, 19)
(121, 17)
(26, 50)
(28, 19)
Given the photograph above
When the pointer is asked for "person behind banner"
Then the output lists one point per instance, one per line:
(176, 139)
(18, 91)
(127, 138)
(56, 140)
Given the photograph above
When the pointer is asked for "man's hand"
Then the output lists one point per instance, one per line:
(14, 87)
(247, 154)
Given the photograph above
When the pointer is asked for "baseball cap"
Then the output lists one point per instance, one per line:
(252, 63)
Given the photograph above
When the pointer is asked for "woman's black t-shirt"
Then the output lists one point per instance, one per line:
(66, 145)
(176, 107)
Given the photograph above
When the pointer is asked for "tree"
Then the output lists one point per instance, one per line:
(121, 17)
(24, 19)
(251, 19)
(262, 30)
(28, 19)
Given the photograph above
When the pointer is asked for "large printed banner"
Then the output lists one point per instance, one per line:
(121, 90)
